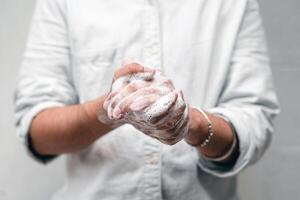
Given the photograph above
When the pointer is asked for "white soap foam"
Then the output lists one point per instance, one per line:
(142, 119)
(161, 106)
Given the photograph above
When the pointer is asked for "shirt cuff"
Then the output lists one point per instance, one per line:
(23, 130)
(244, 144)
(34, 154)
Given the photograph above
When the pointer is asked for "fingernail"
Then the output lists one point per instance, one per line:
(117, 113)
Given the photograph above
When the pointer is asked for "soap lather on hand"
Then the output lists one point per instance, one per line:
(149, 101)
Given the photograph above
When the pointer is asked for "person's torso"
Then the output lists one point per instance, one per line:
(192, 42)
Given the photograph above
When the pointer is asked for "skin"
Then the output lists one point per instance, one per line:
(69, 129)
(220, 142)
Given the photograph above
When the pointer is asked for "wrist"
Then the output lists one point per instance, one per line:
(91, 111)
(197, 125)
(217, 141)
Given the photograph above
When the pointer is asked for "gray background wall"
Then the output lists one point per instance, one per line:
(275, 177)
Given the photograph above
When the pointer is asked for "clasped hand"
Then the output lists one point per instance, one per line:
(147, 99)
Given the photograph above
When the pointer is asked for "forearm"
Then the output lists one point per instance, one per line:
(68, 129)
(221, 141)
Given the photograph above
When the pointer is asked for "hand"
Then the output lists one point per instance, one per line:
(148, 101)
(166, 119)
(124, 77)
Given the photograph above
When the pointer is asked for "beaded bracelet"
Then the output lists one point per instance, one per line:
(210, 134)
(210, 130)
(234, 143)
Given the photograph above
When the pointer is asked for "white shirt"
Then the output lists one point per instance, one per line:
(215, 51)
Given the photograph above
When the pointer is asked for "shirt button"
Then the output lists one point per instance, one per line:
(152, 161)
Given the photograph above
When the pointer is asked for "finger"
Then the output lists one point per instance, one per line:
(108, 99)
(174, 116)
(126, 79)
(102, 116)
(146, 76)
(161, 107)
(120, 83)
(122, 94)
(182, 127)
(171, 132)
(162, 82)
(124, 105)
(140, 103)
(172, 119)
(167, 83)
(174, 135)
(132, 68)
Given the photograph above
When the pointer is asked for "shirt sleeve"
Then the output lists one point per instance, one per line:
(44, 79)
(248, 98)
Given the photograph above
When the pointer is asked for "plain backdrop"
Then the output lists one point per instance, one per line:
(276, 176)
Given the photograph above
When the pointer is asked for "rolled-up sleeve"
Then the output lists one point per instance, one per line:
(248, 98)
(44, 79)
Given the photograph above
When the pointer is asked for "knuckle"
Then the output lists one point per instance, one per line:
(124, 107)
(168, 82)
(130, 67)
(130, 87)
(133, 67)
(133, 86)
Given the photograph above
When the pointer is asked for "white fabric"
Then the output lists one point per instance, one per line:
(215, 51)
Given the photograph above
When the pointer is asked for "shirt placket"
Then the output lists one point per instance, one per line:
(152, 40)
(152, 170)
(152, 57)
